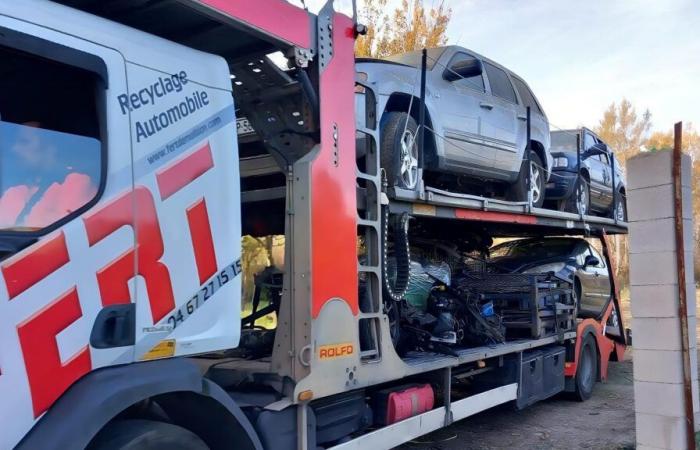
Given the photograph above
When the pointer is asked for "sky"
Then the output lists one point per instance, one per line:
(580, 56)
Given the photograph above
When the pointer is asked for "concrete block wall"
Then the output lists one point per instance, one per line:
(654, 292)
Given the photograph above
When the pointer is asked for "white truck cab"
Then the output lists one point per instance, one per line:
(106, 133)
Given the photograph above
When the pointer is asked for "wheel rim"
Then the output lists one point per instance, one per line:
(620, 211)
(409, 160)
(581, 199)
(535, 182)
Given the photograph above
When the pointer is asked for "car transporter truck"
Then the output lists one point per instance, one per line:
(141, 139)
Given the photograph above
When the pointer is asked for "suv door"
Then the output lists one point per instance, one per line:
(606, 197)
(461, 116)
(596, 170)
(500, 123)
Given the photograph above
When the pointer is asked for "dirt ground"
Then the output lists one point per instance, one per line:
(606, 421)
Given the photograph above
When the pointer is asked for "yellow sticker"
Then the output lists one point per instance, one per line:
(424, 210)
(163, 349)
(333, 351)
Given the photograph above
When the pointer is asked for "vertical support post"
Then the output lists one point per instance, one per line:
(421, 117)
(662, 293)
(529, 161)
(614, 188)
(447, 394)
(682, 297)
(579, 143)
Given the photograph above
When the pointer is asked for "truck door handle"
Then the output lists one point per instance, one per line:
(114, 326)
(521, 117)
(486, 105)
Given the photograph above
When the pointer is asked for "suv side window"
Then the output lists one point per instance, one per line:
(500, 84)
(526, 95)
(50, 151)
(475, 82)
(588, 141)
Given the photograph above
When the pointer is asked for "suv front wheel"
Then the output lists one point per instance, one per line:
(399, 150)
(518, 191)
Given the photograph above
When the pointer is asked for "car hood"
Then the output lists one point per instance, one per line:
(516, 264)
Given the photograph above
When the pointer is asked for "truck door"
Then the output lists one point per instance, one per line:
(500, 123)
(461, 104)
(63, 157)
(186, 177)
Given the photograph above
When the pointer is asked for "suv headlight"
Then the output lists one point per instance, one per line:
(561, 161)
(546, 268)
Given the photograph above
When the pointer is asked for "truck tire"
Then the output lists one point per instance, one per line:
(145, 435)
(518, 191)
(399, 150)
(580, 200)
(619, 212)
(586, 369)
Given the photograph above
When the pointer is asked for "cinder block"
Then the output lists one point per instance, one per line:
(656, 203)
(660, 300)
(656, 168)
(660, 334)
(658, 366)
(658, 268)
(659, 235)
(653, 268)
(663, 399)
(660, 432)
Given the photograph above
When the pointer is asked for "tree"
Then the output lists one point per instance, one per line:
(625, 132)
(411, 27)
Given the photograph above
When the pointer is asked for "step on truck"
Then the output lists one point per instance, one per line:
(150, 149)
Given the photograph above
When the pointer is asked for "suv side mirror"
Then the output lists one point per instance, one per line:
(463, 69)
(591, 261)
(597, 149)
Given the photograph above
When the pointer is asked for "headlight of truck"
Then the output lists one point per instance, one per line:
(561, 161)
(546, 268)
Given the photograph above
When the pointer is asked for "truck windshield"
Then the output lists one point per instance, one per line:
(414, 58)
(563, 141)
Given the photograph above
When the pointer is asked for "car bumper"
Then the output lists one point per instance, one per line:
(560, 185)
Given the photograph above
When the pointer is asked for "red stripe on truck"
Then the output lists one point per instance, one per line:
(183, 172)
(28, 269)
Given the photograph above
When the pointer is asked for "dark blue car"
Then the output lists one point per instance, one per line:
(591, 191)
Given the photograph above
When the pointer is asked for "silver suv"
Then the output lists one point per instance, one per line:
(475, 122)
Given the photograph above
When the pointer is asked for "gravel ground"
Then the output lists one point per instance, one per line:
(606, 421)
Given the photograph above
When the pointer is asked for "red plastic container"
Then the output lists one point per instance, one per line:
(397, 404)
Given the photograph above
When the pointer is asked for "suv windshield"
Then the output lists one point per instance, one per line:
(563, 141)
(534, 249)
(414, 58)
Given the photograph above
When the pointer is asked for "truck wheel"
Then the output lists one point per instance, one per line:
(586, 370)
(518, 191)
(145, 435)
(620, 210)
(399, 150)
(580, 200)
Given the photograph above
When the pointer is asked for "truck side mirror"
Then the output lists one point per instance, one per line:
(465, 68)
